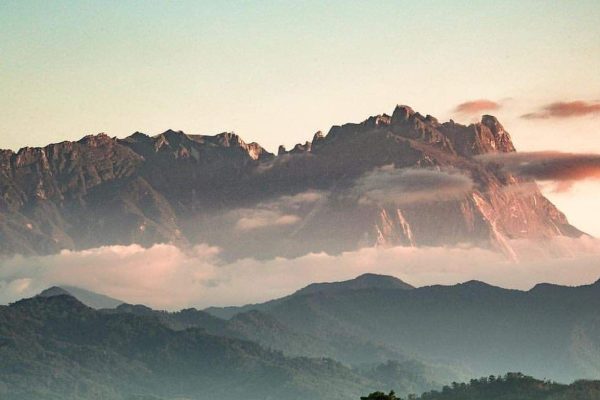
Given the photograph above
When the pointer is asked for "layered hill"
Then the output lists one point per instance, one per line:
(550, 330)
(57, 348)
(388, 335)
(401, 179)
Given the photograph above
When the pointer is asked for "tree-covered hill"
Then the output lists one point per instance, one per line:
(549, 331)
(57, 348)
(512, 386)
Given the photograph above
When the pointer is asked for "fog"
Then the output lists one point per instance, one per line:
(167, 277)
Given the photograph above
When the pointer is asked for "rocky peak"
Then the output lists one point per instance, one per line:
(228, 139)
(402, 113)
(98, 140)
(502, 138)
(138, 137)
(378, 120)
(256, 151)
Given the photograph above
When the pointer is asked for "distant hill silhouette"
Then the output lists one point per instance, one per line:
(87, 297)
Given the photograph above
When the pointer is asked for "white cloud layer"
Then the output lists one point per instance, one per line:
(167, 277)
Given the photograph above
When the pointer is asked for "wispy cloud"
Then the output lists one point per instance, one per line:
(477, 106)
(280, 211)
(258, 219)
(566, 109)
(561, 168)
(410, 185)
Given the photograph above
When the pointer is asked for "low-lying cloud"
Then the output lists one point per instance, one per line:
(258, 219)
(281, 211)
(563, 169)
(567, 109)
(477, 106)
(167, 277)
(388, 185)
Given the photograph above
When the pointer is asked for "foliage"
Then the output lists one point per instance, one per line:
(512, 386)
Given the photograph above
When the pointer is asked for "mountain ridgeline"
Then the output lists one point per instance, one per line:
(319, 196)
(470, 329)
(326, 341)
(549, 331)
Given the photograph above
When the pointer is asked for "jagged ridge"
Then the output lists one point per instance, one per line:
(186, 189)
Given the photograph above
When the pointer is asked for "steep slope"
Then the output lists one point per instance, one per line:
(355, 186)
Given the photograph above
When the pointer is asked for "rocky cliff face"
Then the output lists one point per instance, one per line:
(355, 186)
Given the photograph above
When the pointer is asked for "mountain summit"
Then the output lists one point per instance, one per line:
(364, 281)
(404, 179)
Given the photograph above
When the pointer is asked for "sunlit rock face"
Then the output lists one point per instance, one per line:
(404, 179)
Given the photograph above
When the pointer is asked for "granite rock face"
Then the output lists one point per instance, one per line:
(220, 190)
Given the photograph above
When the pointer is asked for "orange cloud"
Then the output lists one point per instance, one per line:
(565, 110)
(561, 168)
(476, 106)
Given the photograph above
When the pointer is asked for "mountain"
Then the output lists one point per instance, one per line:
(401, 179)
(365, 281)
(257, 326)
(89, 298)
(57, 348)
(512, 386)
(549, 331)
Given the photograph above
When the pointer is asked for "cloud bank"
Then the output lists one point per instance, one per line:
(561, 168)
(164, 276)
(567, 109)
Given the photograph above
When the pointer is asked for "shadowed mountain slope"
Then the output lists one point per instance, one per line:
(549, 331)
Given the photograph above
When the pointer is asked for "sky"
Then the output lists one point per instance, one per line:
(276, 72)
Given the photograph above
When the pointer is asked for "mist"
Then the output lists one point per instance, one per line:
(167, 277)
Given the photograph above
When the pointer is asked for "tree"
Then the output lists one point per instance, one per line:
(381, 396)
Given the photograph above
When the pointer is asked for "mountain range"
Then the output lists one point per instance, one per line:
(549, 331)
(328, 340)
(400, 179)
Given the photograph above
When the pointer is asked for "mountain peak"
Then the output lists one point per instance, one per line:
(402, 113)
(502, 138)
(364, 281)
(53, 291)
(89, 298)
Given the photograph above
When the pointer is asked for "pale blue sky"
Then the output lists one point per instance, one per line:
(275, 72)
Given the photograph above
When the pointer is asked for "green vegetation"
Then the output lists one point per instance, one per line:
(549, 331)
(512, 386)
(57, 348)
